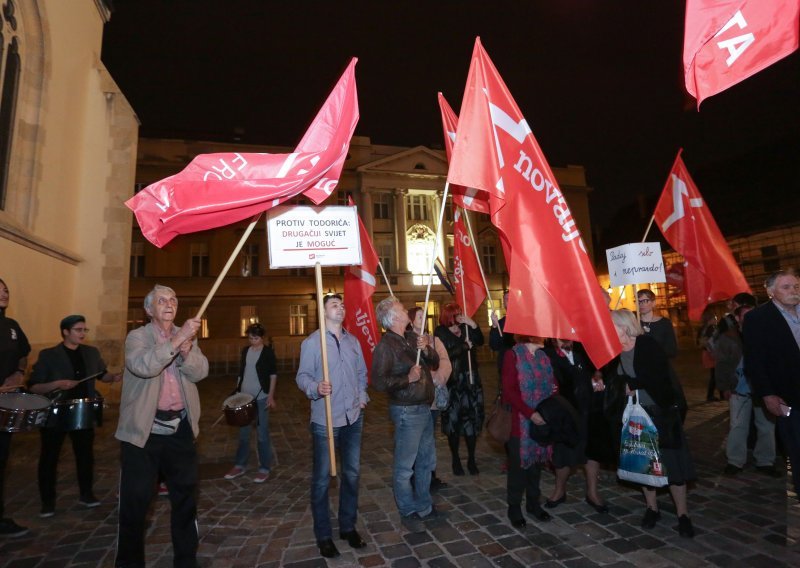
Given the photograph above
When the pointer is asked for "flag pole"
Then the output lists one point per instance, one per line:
(466, 331)
(227, 266)
(385, 279)
(650, 224)
(480, 266)
(325, 374)
(433, 259)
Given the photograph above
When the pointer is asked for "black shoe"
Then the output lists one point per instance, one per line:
(602, 509)
(47, 511)
(515, 517)
(89, 501)
(538, 513)
(458, 469)
(520, 523)
(731, 469)
(473, 469)
(327, 548)
(553, 504)
(650, 519)
(437, 484)
(435, 516)
(413, 523)
(685, 528)
(353, 539)
(9, 528)
(769, 470)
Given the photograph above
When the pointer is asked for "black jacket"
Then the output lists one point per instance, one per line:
(771, 354)
(266, 366)
(561, 422)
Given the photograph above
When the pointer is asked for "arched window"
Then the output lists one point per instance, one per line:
(10, 66)
(420, 239)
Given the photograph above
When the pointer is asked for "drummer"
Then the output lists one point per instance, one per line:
(14, 349)
(60, 373)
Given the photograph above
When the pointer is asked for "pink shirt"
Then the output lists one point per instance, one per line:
(169, 396)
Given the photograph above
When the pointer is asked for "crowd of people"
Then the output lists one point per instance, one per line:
(565, 414)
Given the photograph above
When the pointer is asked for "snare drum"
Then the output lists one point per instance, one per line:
(240, 409)
(76, 414)
(21, 412)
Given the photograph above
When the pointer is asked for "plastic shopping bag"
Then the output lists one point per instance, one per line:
(639, 454)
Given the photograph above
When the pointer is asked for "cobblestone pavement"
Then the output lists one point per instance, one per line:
(748, 520)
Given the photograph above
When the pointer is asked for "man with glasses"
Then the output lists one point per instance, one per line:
(66, 371)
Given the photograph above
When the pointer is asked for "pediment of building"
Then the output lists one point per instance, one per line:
(419, 160)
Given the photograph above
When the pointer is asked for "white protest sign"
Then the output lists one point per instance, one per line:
(303, 236)
(635, 263)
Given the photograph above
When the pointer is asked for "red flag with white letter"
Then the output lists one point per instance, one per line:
(466, 197)
(220, 189)
(710, 272)
(553, 291)
(466, 271)
(727, 41)
(359, 286)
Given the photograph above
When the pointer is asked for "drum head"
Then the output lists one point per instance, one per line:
(24, 401)
(237, 400)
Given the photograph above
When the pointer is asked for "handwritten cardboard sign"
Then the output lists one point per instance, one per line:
(302, 236)
(635, 263)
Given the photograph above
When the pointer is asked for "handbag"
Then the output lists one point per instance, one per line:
(640, 453)
(499, 422)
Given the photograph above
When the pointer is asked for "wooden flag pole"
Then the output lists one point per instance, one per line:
(433, 260)
(385, 279)
(480, 266)
(650, 224)
(227, 266)
(323, 338)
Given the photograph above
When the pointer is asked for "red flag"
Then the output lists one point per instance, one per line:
(220, 189)
(466, 271)
(553, 291)
(359, 286)
(710, 272)
(466, 197)
(727, 41)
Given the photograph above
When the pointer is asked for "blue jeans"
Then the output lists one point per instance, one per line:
(348, 440)
(413, 442)
(262, 433)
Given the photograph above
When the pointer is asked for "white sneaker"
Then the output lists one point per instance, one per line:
(235, 472)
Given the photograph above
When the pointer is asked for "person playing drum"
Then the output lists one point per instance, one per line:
(14, 349)
(257, 376)
(65, 371)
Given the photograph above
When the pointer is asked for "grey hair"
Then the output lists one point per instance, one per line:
(625, 319)
(772, 278)
(148, 300)
(385, 311)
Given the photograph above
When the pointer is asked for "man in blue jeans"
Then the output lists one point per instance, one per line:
(410, 388)
(348, 395)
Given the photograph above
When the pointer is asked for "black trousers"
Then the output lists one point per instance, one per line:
(176, 457)
(5, 446)
(521, 481)
(82, 447)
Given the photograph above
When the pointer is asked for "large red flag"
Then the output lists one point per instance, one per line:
(466, 271)
(710, 272)
(727, 41)
(220, 189)
(359, 286)
(466, 197)
(553, 291)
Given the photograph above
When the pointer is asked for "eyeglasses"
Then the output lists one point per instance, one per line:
(644, 300)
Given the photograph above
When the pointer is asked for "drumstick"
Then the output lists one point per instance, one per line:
(221, 416)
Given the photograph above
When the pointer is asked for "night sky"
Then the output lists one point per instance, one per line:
(599, 82)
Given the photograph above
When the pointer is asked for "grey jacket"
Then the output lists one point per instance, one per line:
(145, 361)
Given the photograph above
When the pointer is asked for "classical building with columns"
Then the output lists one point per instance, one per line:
(399, 193)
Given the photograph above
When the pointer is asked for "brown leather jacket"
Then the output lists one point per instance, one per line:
(392, 360)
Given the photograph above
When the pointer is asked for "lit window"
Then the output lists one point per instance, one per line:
(298, 319)
(385, 255)
(250, 260)
(247, 317)
(420, 239)
(418, 207)
(489, 257)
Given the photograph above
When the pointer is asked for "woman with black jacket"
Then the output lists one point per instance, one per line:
(257, 377)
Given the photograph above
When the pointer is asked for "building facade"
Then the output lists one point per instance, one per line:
(399, 192)
(67, 161)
